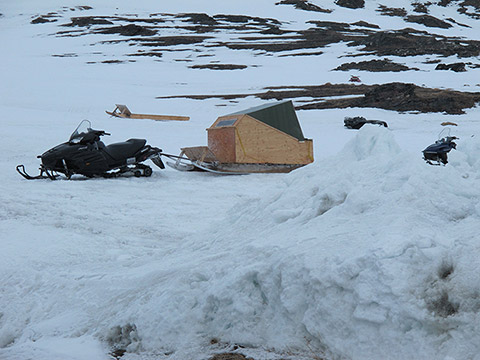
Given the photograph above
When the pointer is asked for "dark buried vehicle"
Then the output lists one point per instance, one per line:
(358, 121)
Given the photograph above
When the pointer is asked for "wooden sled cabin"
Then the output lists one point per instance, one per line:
(262, 139)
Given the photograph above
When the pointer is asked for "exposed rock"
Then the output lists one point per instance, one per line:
(408, 97)
(315, 53)
(219, 67)
(42, 20)
(374, 66)
(147, 53)
(172, 40)
(197, 18)
(303, 5)
(365, 24)
(457, 67)
(392, 96)
(128, 30)
(428, 20)
(86, 21)
(409, 42)
(392, 11)
(352, 4)
(229, 356)
(245, 19)
(470, 3)
(421, 8)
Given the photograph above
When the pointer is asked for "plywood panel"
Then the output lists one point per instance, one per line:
(257, 142)
(200, 153)
(221, 141)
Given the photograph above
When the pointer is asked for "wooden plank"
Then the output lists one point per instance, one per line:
(159, 117)
(221, 141)
(122, 111)
(257, 142)
(199, 153)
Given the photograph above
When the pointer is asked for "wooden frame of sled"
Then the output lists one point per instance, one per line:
(122, 111)
(201, 158)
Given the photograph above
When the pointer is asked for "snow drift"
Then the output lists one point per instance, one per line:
(367, 254)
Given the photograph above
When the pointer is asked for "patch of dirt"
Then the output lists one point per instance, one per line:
(128, 30)
(351, 4)
(428, 20)
(44, 19)
(374, 66)
(384, 10)
(229, 356)
(172, 40)
(303, 5)
(147, 53)
(457, 67)
(113, 62)
(197, 18)
(87, 21)
(421, 8)
(246, 19)
(392, 96)
(303, 54)
(470, 3)
(365, 24)
(410, 42)
(65, 55)
(219, 67)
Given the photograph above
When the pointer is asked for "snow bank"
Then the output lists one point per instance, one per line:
(368, 254)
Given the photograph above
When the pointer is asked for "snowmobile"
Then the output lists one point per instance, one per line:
(358, 121)
(436, 154)
(85, 154)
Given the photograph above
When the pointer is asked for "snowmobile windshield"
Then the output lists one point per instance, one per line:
(82, 129)
(444, 134)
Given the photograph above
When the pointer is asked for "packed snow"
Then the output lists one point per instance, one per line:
(368, 253)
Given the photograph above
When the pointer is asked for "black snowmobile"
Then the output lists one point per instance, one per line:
(436, 153)
(85, 154)
(358, 121)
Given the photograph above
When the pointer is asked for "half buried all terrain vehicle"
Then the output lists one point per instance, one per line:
(436, 154)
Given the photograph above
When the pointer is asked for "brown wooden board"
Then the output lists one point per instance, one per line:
(199, 153)
(122, 111)
(221, 141)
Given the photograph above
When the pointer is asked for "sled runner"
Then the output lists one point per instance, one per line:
(201, 158)
(122, 111)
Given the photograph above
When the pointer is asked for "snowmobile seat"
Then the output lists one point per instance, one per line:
(125, 149)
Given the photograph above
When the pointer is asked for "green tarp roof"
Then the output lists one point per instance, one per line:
(280, 115)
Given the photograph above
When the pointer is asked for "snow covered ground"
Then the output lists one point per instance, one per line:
(368, 253)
